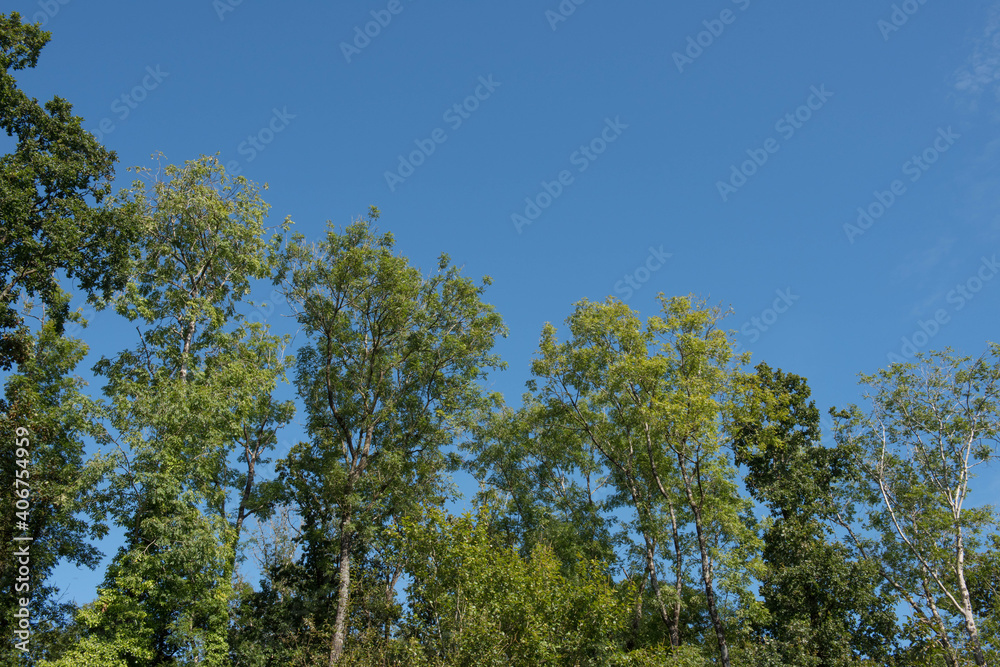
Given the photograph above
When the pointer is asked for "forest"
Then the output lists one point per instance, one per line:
(653, 498)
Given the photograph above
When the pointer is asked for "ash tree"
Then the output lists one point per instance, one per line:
(390, 377)
(192, 414)
(550, 484)
(931, 425)
(654, 401)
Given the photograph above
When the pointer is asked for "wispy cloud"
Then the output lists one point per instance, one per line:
(976, 88)
(981, 71)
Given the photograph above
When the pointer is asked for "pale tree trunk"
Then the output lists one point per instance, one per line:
(950, 654)
(343, 591)
(970, 620)
(933, 620)
(186, 348)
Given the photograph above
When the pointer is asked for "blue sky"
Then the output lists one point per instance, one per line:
(829, 170)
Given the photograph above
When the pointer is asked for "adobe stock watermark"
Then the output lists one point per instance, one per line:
(562, 13)
(958, 297)
(363, 36)
(581, 158)
(786, 127)
(914, 168)
(22, 541)
(256, 143)
(632, 281)
(49, 9)
(899, 17)
(123, 105)
(223, 7)
(763, 321)
(455, 116)
(714, 28)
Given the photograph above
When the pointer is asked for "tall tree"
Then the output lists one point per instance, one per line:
(390, 377)
(51, 192)
(654, 401)
(931, 424)
(825, 609)
(577, 384)
(47, 404)
(195, 394)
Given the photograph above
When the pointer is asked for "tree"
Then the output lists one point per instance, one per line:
(824, 608)
(48, 224)
(195, 394)
(931, 424)
(654, 402)
(47, 403)
(389, 378)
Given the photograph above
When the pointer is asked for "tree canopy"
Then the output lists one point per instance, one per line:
(651, 501)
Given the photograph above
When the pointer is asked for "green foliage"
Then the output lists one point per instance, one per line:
(128, 639)
(474, 601)
(47, 221)
(823, 607)
(653, 401)
(930, 425)
(390, 376)
(193, 396)
(547, 481)
(44, 398)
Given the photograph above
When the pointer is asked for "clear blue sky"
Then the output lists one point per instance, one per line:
(719, 148)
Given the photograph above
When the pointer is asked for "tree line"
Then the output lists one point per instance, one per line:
(652, 499)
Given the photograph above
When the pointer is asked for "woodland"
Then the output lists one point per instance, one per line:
(652, 498)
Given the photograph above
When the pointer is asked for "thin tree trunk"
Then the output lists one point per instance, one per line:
(651, 567)
(706, 576)
(675, 634)
(390, 596)
(242, 512)
(706, 568)
(675, 623)
(186, 348)
(970, 621)
(951, 655)
(343, 591)
(650, 559)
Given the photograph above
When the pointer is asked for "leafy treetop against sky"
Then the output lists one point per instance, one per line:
(828, 170)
